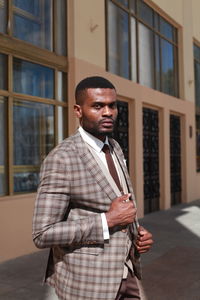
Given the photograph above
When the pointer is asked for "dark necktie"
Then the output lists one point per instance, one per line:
(111, 165)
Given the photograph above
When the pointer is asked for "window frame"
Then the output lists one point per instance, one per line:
(197, 108)
(16, 48)
(139, 20)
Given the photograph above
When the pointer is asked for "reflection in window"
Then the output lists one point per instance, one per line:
(145, 13)
(60, 28)
(62, 86)
(33, 79)
(118, 38)
(152, 42)
(33, 138)
(167, 70)
(3, 15)
(133, 50)
(32, 22)
(123, 2)
(166, 29)
(3, 72)
(62, 124)
(146, 70)
(197, 101)
(3, 130)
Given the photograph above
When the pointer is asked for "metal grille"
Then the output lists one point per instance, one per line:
(151, 160)
(121, 128)
(175, 159)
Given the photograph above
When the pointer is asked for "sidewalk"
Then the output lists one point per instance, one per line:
(171, 270)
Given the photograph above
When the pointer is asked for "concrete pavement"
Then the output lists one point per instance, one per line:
(171, 270)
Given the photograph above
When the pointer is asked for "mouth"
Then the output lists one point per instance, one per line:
(107, 123)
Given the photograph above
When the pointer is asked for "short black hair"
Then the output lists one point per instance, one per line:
(91, 82)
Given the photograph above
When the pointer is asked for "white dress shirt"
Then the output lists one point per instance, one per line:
(97, 145)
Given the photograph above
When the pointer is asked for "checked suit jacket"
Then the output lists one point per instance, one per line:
(72, 194)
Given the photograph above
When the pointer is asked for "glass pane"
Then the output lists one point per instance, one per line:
(168, 70)
(156, 21)
(61, 32)
(118, 41)
(32, 22)
(123, 2)
(146, 57)
(3, 152)
(133, 51)
(3, 16)
(62, 86)
(175, 35)
(157, 63)
(197, 83)
(3, 72)
(145, 13)
(197, 53)
(62, 124)
(33, 136)
(33, 79)
(166, 29)
(132, 6)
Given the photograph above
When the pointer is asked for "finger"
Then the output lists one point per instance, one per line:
(126, 198)
(148, 243)
(145, 237)
(142, 230)
(143, 251)
(143, 248)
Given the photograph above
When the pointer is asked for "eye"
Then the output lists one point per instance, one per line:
(113, 105)
(97, 105)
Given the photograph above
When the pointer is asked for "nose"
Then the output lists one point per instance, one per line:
(107, 111)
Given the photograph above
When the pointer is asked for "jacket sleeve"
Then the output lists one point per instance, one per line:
(51, 226)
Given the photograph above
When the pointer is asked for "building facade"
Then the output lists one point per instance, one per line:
(150, 50)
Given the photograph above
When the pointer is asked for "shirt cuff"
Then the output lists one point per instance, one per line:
(106, 234)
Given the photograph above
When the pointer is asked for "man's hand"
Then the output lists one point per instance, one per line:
(121, 212)
(144, 240)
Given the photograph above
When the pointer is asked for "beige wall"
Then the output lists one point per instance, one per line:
(16, 226)
(90, 31)
(170, 8)
(139, 96)
(196, 19)
(86, 39)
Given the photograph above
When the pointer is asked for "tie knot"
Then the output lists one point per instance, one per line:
(106, 148)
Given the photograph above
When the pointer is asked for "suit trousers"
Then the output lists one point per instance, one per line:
(128, 289)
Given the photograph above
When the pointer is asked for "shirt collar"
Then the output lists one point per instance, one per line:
(91, 140)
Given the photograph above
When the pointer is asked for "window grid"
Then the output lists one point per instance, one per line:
(29, 53)
(156, 33)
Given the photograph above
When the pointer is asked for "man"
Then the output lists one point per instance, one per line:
(84, 213)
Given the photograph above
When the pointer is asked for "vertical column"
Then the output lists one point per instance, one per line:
(136, 153)
(186, 61)
(165, 196)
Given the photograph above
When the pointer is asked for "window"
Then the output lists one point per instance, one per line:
(33, 138)
(118, 37)
(33, 89)
(39, 22)
(197, 101)
(33, 79)
(3, 145)
(3, 71)
(142, 45)
(3, 12)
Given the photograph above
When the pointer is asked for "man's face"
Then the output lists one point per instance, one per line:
(98, 112)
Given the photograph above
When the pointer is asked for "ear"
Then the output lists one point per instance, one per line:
(78, 111)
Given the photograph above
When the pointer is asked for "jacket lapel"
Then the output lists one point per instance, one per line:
(93, 167)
